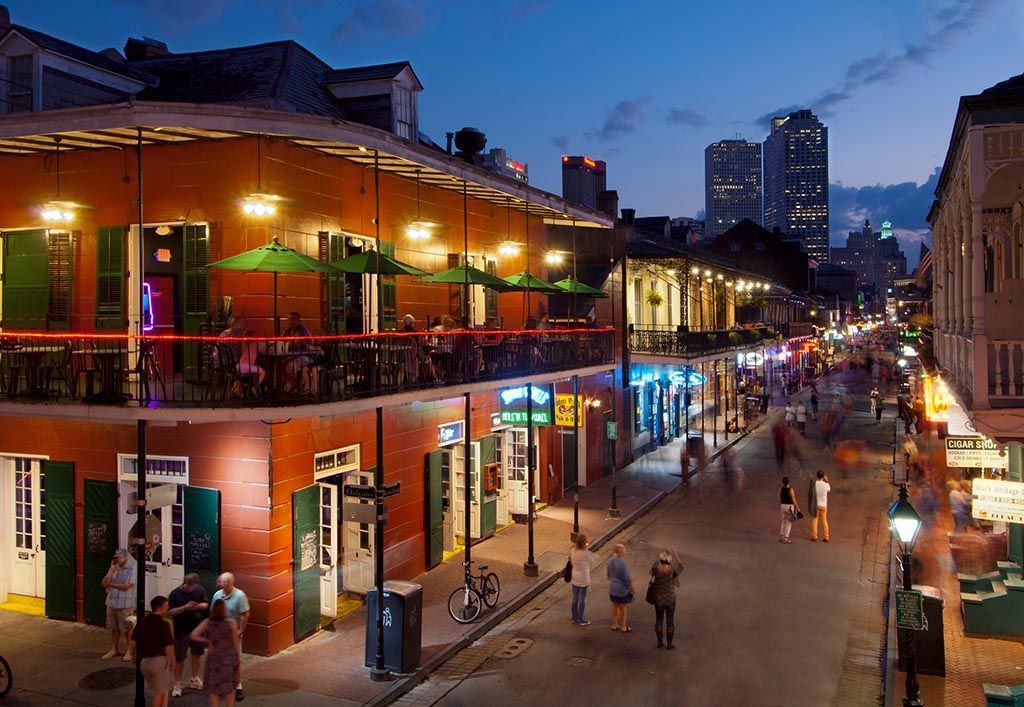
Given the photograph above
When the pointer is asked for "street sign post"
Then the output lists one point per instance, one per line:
(909, 609)
(361, 491)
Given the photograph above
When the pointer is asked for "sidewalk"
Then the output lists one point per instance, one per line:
(57, 663)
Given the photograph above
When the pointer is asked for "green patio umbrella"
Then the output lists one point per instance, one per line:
(575, 287)
(370, 263)
(525, 281)
(273, 257)
(468, 275)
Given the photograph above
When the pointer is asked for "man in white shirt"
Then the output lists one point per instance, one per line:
(821, 490)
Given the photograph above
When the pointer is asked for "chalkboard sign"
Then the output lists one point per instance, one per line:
(308, 554)
(200, 550)
(96, 535)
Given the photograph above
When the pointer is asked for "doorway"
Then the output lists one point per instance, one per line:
(516, 486)
(357, 566)
(26, 491)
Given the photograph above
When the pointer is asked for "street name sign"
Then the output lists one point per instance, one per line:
(360, 491)
(975, 452)
(996, 500)
(612, 429)
(390, 489)
(909, 610)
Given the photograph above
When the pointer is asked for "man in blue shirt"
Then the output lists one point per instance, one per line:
(237, 606)
(120, 585)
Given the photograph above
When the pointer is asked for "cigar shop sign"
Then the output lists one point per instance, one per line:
(974, 452)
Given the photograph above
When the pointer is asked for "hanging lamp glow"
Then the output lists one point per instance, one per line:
(58, 210)
(418, 229)
(260, 203)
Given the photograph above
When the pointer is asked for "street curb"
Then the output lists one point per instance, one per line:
(406, 684)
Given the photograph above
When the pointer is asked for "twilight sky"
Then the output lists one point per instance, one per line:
(643, 85)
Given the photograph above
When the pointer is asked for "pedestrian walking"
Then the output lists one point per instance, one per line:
(153, 647)
(959, 506)
(790, 414)
(223, 658)
(879, 406)
(119, 582)
(664, 580)
(874, 399)
(801, 417)
(620, 588)
(187, 604)
(820, 488)
(236, 603)
(583, 560)
(779, 440)
(814, 403)
(789, 509)
(684, 459)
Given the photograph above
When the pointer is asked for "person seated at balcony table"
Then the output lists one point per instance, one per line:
(299, 368)
(408, 324)
(235, 330)
(545, 322)
(442, 356)
(247, 364)
(592, 321)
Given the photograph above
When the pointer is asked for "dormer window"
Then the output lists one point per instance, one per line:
(19, 84)
(405, 113)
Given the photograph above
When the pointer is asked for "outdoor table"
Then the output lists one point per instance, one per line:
(34, 356)
(275, 361)
(111, 390)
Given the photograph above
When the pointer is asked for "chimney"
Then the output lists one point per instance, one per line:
(113, 54)
(145, 48)
(5, 18)
(608, 202)
(628, 216)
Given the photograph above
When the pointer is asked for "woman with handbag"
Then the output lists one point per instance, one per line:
(661, 591)
(790, 510)
(620, 588)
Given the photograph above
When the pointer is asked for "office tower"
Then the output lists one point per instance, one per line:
(732, 185)
(583, 179)
(796, 181)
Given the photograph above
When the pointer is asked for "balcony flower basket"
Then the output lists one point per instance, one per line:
(654, 298)
(734, 337)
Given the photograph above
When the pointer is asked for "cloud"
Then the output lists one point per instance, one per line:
(180, 15)
(685, 116)
(765, 121)
(905, 205)
(949, 24)
(623, 119)
(400, 18)
(561, 142)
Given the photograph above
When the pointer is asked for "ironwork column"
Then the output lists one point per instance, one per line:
(530, 568)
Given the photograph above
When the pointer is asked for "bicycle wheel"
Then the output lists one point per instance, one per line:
(465, 605)
(491, 589)
(6, 679)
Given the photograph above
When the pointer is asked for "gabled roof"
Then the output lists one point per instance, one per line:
(375, 72)
(1014, 84)
(278, 76)
(77, 53)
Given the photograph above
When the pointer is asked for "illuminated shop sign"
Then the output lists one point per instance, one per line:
(563, 410)
(687, 379)
(936, 400)
(451, 433)
(510, 396)
(750, 359)
(513, 404)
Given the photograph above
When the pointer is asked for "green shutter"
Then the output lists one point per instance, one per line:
(435, 512)
(202, 535)
(332, 249)
(491, 296)
(100, 542)
(59, 478)
(59, 305)
(110, 269)
(488, 504)
(195, 294)
(306, 559)
(388, 293)
(26, 279)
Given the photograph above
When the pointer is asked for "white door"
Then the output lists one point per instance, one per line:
(28, 550)
(328, 550)
(458, 456)
(357, 544)
(165, 535)
(501, 503)
(515, 471)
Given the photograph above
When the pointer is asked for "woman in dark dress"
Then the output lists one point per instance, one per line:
(223, 657)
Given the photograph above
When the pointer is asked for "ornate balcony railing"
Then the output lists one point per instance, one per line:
(694, 343)
(208, 371)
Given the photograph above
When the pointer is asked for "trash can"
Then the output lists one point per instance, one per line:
(403, 626)
(931, 643)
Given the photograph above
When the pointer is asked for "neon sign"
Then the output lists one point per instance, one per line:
(147, 308)
(513, 405)
(451, 433)
(540, 396)
(687, 379)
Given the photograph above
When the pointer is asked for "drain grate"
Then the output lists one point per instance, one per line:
(579, 662)
(108, 679)
(514, 648)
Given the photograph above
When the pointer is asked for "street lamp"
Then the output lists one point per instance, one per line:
(905, 523)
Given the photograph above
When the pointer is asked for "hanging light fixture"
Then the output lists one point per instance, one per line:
(58, 210)
(418, 229)
(510, 247)
(260, 203)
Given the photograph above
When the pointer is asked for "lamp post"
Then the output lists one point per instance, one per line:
(905, 523)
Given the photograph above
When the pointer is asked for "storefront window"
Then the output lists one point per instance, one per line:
(639, 423)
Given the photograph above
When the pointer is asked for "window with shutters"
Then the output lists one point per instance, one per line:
(110, 267)
(19, 83)
(491, 296)
(332, 249)
(59, 314)
(388, 293)
(197, 276)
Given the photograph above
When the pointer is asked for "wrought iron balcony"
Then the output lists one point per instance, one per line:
(694, 343)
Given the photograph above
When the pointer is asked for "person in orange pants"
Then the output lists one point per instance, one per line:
(821, 490)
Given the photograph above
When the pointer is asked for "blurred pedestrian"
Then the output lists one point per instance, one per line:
(801, 417)
(821, 489)
(664, 580)
(583, 560)
(153, 646)
(790, 416)
(779, 440)
(814, 403)
(879, 406)
(684, 459)
(223, 659)
(874, 399)
(959, 506)
(620, 588)
(789, 508)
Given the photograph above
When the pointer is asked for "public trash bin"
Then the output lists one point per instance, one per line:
(403, 626)
(931, 644)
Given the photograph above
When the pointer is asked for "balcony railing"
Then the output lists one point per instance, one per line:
(792, 330)
(207, 371)
(693, 343)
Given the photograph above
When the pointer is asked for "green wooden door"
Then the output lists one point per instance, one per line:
(202, 535)
(26, 286)
(100, 543)
(195, 296)
(488, 502)
(306, 559)
(434, 512)
(59, 478)
(110, 270)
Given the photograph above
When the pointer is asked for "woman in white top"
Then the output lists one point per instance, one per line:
(582, 561)
(790, 414)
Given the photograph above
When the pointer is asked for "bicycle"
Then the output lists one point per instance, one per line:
(467, 601)
(6, 678)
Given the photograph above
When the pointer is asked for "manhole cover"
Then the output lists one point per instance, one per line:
(579, 662)
(108, 679)
(514, 648)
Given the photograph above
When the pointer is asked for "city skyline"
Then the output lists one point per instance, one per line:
(636, 124)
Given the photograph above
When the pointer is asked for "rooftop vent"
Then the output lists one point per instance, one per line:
(470, 142)
(145, 48)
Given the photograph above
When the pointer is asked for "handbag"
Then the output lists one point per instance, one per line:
(795, 516)
(567, 571)
(649, 597)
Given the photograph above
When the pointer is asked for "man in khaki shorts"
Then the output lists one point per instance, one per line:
(120, 585)
(153, 645)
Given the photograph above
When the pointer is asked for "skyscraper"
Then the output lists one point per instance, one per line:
(732, 185)
(583, 179)
(796, 180)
